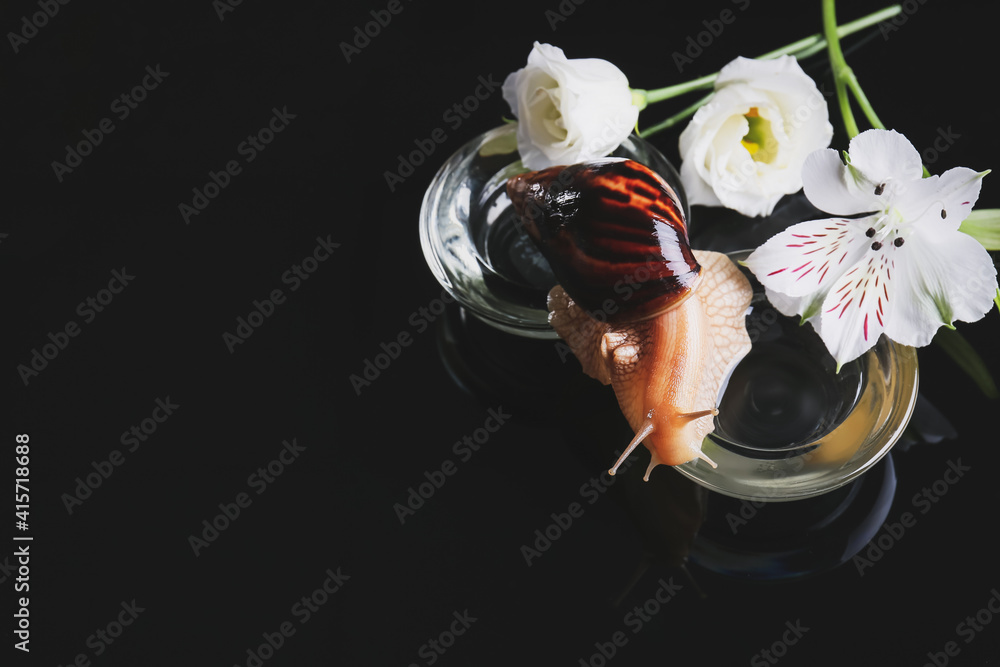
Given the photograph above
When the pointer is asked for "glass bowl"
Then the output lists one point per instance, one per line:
(474, 245)
(789, 426)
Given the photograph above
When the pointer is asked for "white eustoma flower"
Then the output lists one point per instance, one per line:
(744, 149)
(568, 111)
(902, 269)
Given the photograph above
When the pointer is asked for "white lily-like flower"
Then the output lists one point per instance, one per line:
(902, 269)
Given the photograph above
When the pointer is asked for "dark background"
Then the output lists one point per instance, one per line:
(333, 506)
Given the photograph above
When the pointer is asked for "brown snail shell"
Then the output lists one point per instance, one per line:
(614, 234)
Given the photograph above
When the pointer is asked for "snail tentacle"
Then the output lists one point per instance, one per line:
(704, 457)
(654, 460)
(640, 435)
(699, 414)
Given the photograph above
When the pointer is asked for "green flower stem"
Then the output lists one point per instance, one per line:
(841, 70)
(676, 118)
(816, 43)
(852, 84)
(845, 80)
(676, 90)
(814, 49)
(802, 48)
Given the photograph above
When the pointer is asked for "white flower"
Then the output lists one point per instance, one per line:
(568, 110)
(903, 269)
(744, 149)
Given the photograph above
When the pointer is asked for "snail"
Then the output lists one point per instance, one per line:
(663, 324)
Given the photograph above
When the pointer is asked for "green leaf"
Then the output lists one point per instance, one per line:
(962, 352)
(984, 226)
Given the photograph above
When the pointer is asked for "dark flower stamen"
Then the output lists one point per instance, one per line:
(898, 242)
(879, 189)
(871, 232)
(876, 246)
(944, 214)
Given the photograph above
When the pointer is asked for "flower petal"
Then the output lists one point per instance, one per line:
(885, 155)
(943, 201)
(782, 75)
(945, 275)
(830, 187)
(804, 307)
(697, 189)
(854, 312)
(600, 117)
(807, 258)
(703, 163)
(751, 201)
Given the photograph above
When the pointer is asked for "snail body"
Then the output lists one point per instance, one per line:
(663, 324)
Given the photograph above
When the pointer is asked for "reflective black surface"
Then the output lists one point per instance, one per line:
(270, 438)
